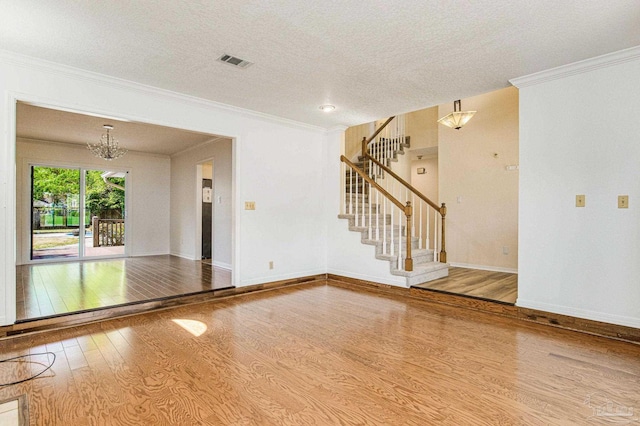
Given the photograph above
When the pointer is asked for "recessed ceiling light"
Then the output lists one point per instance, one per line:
(327, 108)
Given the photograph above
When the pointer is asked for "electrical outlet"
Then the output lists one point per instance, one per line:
(249, 205)
(505, 250)
(580, 200)
(271, 264)
(623, 201)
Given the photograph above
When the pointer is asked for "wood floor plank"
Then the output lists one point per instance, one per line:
(491, 285)
(61, 288)
(318, 354)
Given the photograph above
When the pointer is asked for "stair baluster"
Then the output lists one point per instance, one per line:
(384, 234)
(350, 191)
(370, 217)
(420, 226)
(362, 197)
(435, 239)
(393, 200)
(392, 247)
(378, 216)
(343, 183)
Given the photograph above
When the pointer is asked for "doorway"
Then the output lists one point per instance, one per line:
(77, 213)
(139, 207)
(207, 211)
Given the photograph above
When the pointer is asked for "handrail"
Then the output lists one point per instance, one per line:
(407, 209)
(442, 210)
(405, 183)
(366, 141)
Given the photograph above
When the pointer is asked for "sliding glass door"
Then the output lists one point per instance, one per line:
(104, 209)
(76, 213)
(55, 219)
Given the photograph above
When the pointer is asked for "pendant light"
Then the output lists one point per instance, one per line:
(457, 118)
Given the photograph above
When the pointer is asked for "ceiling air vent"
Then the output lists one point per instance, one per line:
(236, 62)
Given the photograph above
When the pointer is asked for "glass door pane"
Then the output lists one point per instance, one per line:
(104, 213)
(55, 221)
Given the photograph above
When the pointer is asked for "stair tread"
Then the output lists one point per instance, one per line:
(357, 203)
(414, 253)
(421, 269)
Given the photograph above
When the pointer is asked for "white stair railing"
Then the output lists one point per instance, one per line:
(388, 142)
(381, 220)
(427, 218)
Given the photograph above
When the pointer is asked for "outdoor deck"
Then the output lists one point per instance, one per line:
(65, 251)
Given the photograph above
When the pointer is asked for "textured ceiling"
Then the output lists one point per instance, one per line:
(371, 59)
(66, 127)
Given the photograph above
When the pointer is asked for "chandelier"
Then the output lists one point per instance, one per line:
(457, 118)
(108, 147)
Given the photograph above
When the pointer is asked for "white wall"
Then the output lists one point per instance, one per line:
(423, 128)
(283, 174)
(147, 192)
(184, 208)
(276, 166)
(579, 134)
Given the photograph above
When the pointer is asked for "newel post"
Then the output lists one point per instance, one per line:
(408, 261)
(443, 251)
(95, 230)
(364, 146)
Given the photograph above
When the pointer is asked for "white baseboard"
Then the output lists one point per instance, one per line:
(221, 265)
(396, 282)
(150, 253)
(484, 268)
(579, 313)
(184, 256)
(273, 278)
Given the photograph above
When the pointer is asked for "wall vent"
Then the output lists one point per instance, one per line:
(236, 62)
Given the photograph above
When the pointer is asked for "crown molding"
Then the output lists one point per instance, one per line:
(587, 65)
(43, 65)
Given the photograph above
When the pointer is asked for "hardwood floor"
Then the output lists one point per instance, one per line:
(60, 288)
(500, 286)
(319, 354)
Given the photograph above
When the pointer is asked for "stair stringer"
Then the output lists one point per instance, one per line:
(349, 257)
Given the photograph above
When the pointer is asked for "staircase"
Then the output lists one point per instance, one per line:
(385, 209)
(385, 150)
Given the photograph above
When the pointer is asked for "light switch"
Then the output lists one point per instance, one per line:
(206, 195)
(580, 200)
(249, 205)
(623, 201)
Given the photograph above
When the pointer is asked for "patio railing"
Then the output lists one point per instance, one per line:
(107, 232)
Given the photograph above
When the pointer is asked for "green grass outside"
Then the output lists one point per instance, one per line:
(46, 243)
